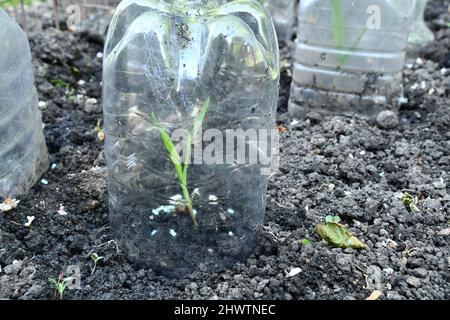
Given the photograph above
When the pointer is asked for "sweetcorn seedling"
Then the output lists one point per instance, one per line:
(182, 169)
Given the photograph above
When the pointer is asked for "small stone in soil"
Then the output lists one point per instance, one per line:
(173, 233)
(387, 119)
(413, 282)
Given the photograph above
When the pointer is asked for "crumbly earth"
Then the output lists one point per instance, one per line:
(330, 165)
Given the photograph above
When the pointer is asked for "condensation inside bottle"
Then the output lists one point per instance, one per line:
(167, 59)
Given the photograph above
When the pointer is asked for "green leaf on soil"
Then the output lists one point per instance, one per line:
(339, 236)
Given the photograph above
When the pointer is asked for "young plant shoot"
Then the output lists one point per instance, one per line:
(182, 169)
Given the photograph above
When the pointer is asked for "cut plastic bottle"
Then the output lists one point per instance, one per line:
(284, 15)
(349, 56)
(201, 72)
(93, 16)
(420, 33)
(23, 153)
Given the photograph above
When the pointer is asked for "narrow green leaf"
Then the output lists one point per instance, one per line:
(197, 123)
(170, 147)
(338, 24)
(187, 155)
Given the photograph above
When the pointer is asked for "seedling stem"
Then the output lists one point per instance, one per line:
(180, 169)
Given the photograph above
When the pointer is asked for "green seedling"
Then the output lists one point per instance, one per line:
(411, 202)
(59, 83)
(332, 219)
(75, 71)
(59, 284)
(96, 258)
(182, 169)
(305, 242)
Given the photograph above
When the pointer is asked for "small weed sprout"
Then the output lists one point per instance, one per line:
(99, 130)
(180, 169)
(59, 83)
(411, 202)
(59, 284)
(96, 258)
(332, 219)
(305, 242)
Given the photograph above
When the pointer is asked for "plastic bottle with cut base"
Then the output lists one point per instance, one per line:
(420, 34)
(284, 15)
(349, 56)
(176, 65)
(93, 16)
(23, 153)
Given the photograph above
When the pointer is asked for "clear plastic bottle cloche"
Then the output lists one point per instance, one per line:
(23, 153)
(284, 15)
(204, 69)
(420, 34)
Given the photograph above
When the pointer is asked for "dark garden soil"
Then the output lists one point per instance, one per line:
(331, 165)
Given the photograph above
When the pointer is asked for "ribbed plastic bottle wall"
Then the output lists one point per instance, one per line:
(23, 153)
(349, 56)
(182, 65)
